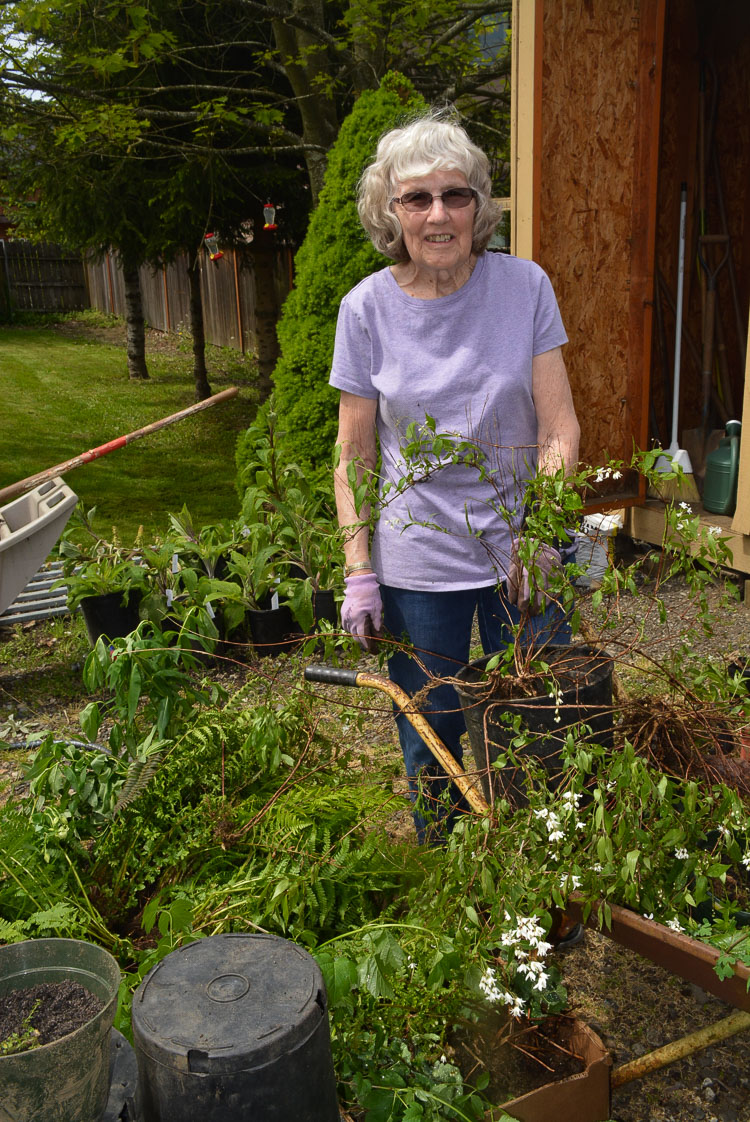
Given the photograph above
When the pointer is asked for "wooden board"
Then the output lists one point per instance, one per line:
(595, 150)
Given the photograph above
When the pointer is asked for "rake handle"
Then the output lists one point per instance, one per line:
(32, 481)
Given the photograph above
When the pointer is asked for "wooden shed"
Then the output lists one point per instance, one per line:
(616, 104)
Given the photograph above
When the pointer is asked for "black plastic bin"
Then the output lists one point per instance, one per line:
(235, 1027)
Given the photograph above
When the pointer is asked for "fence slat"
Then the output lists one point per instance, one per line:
(44, 278)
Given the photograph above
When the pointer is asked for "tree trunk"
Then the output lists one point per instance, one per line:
(200, 374)
(266, 318)
(135, 327)
(308, 69)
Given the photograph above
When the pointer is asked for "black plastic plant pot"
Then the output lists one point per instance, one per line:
(273, 631)
(324, 607)
(68, 1079)
(107, 615)
(235, 1027)
(584, 676)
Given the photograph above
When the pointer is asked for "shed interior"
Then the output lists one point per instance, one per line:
(705, 145)
(616, 104)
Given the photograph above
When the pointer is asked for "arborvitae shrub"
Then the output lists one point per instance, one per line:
(335, 255)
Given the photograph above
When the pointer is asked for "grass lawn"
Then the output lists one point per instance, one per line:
(66, 389)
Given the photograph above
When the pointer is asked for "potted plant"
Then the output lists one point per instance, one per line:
(299, 520)
(103, 577)
(527, 699)
(62, 1077)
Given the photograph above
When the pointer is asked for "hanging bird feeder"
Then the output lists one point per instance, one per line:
(212, 245)
(269, 214)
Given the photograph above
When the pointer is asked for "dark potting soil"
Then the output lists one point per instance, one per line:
(62, 1008)
(518, 1060)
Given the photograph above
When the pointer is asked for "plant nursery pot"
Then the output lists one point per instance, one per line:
(324, 606)
(68, 1079)
(273, 631)
(579, 1098)
(235, 1027)
(585, 681)
(107, 615)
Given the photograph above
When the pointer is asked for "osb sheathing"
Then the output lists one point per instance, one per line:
(722, 38)
(588, 144)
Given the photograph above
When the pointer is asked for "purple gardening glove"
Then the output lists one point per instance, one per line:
(545, 560)
(362, 610)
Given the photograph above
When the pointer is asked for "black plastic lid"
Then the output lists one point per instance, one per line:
(227, 1003)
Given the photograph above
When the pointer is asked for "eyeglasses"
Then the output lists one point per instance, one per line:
(455, 198)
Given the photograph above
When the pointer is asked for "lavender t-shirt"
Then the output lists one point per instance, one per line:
(465, 360)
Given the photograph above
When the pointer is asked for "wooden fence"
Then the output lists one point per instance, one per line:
(242, 293)
(41, 278)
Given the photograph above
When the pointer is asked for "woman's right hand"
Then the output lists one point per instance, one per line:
(362, 603)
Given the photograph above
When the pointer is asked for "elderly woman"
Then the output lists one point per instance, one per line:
(471, 339)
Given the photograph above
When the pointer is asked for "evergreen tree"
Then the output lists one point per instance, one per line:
(335, 255)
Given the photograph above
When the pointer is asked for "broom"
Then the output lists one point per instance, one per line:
(683, 486)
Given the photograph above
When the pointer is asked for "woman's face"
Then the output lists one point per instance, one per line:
(438, 239)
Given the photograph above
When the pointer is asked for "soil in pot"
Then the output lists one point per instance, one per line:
(517, 1058)
(50, 1009)
(583, 695)
(67, 1078)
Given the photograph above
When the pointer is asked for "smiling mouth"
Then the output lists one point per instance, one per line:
(439, 238)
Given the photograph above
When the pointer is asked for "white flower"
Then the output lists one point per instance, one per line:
(686, 506)
(713, 530)
(489, 987)
(674, 924)
(443, 1059)
(746, 860)
(572, 797)
(681, 853)
(556, 835)
(516, 1004)
(648, 915)
(617, 475)
(572, 881)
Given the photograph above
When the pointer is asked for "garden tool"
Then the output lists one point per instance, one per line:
(31, 481)
(678, 457)
(711, 275)
(341, 676)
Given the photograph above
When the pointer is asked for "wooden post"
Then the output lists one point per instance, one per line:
(237, 302)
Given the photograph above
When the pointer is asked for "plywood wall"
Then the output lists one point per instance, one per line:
(599, 125)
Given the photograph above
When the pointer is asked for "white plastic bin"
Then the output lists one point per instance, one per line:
(29, 528)
(595, 546)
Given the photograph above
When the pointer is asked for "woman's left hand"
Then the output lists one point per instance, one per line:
(530, 596)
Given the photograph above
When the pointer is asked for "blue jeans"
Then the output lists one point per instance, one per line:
(438, 626)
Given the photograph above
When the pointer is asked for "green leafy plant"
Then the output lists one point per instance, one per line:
(25, 1039)
(288, 518)
(95, 566)
(334, 256)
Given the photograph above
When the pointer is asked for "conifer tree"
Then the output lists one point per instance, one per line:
(335, 255)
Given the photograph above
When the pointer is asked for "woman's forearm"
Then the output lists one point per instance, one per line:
(357, 447)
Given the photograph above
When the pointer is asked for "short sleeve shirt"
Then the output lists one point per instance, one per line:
(464, 360)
